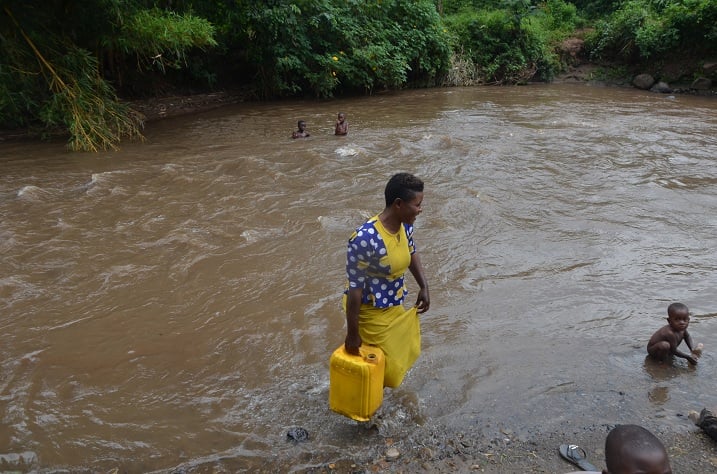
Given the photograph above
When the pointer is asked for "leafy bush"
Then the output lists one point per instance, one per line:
(55, 58)
(162, 38)
(632, 31)
(695, 22)
(596, 9)
(641, 29)
(514, 43)
(322, 47)
(86, 104)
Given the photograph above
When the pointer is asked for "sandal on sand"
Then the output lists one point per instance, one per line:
(576, 455)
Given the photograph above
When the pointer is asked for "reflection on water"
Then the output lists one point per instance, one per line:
(659, 395)
(175, 303)
(661, 371)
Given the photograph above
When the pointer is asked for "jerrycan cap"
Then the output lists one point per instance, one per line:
(371, 357)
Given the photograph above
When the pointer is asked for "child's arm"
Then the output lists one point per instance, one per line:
(688, 340)
(689, 358)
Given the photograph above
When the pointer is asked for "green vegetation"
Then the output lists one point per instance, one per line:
(58, 58)
(515, 42)
(325, 47)
(64, 63)
(640, 29)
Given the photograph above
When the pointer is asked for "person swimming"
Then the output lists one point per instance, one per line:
(301, 132)
(342, 126)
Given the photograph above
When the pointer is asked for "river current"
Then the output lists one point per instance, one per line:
(175, 303)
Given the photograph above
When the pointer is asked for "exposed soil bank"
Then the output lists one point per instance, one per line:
(156, 108)
(171, 106)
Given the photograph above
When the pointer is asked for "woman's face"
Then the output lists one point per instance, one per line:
(411, 209)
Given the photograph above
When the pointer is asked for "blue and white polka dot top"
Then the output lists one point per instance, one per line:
(377, 260)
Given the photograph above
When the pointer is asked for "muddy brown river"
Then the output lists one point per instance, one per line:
(175, 304)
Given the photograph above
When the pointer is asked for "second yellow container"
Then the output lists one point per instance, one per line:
(356, 382)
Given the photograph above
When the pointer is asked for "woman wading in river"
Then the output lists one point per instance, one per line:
(378, 255)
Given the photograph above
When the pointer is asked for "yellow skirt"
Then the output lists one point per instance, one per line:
(397, 332)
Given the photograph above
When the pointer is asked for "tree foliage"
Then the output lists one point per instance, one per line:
(641, 29)
(322, 47)
(515, 42)
(57, 57)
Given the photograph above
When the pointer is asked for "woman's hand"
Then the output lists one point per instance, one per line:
(423, 302)
(352, 343)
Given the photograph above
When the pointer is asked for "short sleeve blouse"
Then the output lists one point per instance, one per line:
(377, 260)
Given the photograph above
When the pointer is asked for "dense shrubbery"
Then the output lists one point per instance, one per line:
(641, 29)
(57, 55)
(514, 43)
(324, 47)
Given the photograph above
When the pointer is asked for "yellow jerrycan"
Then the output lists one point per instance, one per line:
(356, 382)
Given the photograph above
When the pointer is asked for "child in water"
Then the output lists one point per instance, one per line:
(663, 344)
(301, 132)
(342, 126)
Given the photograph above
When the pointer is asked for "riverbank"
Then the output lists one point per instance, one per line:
(445, 451)
(157, 108)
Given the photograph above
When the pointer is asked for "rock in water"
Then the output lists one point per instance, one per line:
(297, 434)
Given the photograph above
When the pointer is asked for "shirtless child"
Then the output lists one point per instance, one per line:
(301, 132)
(663, 344)
(342, 126)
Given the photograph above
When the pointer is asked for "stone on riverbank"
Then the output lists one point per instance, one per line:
(661, 87)
(643, 81)
(701, 84)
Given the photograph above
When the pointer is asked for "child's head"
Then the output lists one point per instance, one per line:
(342, 116)
(631, 448)
(301, 125)
(678, 316)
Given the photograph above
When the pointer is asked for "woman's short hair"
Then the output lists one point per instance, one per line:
(402, 186)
